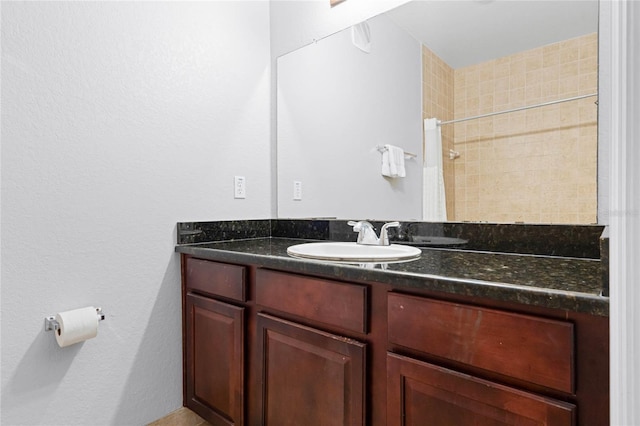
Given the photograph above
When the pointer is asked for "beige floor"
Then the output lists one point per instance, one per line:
(181, 417)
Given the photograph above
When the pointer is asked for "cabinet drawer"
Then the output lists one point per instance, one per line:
(219, 279)
(535, 350)
(324, 301)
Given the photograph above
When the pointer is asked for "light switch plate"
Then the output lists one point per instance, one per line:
(297, 190)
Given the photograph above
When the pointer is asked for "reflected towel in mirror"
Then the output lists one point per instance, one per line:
(393, 162)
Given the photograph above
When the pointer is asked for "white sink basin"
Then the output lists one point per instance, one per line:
(353, 252)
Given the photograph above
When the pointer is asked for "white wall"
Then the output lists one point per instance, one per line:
(328, 141)
(119, 119)
(623, 109)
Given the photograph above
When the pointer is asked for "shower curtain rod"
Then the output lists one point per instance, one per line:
(575, 98)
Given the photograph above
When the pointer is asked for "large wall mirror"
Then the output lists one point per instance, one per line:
(343, 97)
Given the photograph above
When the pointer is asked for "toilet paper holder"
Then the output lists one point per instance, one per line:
(50, 323)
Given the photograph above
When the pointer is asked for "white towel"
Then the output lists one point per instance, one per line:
(386, 170)
(393, 162)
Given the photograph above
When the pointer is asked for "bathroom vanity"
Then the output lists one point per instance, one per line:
(270, 339)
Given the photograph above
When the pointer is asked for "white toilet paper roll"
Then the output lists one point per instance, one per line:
(76, 326)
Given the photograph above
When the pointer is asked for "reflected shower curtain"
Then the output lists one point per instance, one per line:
(434, 204)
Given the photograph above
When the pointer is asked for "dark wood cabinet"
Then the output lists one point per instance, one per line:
(326, 302)
(309, 377)
(421, 394)
(275, 348)
(214, 352)
(524, 347)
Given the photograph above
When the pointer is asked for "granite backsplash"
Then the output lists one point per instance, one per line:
(580, 241)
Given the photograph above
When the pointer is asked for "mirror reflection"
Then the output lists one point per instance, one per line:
(417, 78)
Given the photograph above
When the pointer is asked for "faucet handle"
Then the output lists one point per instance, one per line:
(384, 234)
(366, 232)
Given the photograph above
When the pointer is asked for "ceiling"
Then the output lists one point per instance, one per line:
(464, 32)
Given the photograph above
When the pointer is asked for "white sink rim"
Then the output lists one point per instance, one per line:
(353, 252)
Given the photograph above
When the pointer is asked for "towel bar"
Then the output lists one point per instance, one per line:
(406, 154)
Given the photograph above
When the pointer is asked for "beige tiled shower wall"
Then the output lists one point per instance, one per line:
(537, 165)
(438, 102)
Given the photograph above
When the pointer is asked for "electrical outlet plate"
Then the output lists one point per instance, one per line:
(239, 187)
(297, 190)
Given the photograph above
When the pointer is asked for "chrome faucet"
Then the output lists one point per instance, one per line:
(367, 234)
(384, 235)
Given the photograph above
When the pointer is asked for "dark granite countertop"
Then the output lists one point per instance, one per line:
(568, 283)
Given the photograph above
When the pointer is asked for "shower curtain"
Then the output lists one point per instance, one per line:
(434, 205)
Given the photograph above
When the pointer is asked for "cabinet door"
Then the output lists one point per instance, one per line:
(309, 377)
(214, 356)
(422, 394)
